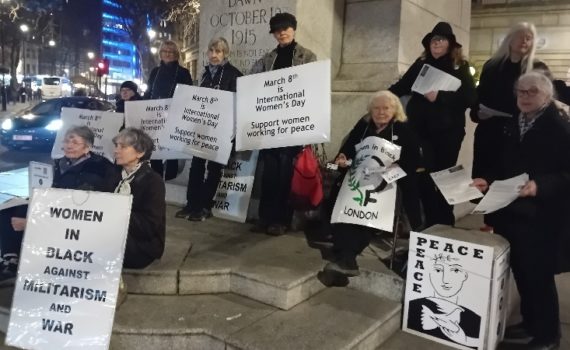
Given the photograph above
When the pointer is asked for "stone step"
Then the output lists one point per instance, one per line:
(404, 341)
(339, 318)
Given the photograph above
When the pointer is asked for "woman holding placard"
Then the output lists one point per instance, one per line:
(161, 84)
(536, 224)
(218, 74)
(385, 119)
(79, 169)
(438, 117)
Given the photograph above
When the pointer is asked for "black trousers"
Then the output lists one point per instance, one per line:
(11, 240)
(168, 173)
(532, 262)
(274, 206)
(135, 257)
(201, 189)
(440, 152)
(350, 240)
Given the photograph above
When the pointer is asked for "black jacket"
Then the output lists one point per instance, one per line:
(163, 80)
(447, 113)
(120, 105)
(224, 79)
(92, 174)
(543, 153)
(147, 225)
(400, 134)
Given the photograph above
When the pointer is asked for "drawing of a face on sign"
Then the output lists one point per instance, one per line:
(447, 276)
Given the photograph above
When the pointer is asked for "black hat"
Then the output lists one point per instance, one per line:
(130, 85)
(282, 20)
(442, 29)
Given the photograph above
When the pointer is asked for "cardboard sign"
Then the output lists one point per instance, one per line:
(40, 175)
(69, 272)
(105, 125)
(448, 290)
(234, 190)
(365, 198)
(285, 107)
(150, 116)
(200, 123)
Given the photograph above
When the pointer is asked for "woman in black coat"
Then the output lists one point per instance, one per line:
(537, 225)
(438, 117)
(218, 74)
(385, 119)
(79, 169)
(161, 84)
(128, 92)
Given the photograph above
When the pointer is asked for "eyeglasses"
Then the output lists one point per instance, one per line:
(73, 142)
(532, 92)
(436, 38)
(168, 51)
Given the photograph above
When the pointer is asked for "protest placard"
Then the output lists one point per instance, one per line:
(285, 107)
(69, 271)
(200, 122)
(105, 125)
(365, 198)
(150, 116)
(234, 190)
(40, 175)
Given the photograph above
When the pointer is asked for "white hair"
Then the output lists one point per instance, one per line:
(504, 51)
(538, 79)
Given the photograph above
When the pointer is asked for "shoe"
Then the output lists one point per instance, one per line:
(196, 216)
(517, 334)
(541, 345)
(343, 269)
(182, 213)
(276, 230)
(207, 213)
(258, 228)
(122, 295)
(8, 271)
(332, 278)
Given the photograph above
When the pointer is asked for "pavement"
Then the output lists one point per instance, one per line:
(15, 108)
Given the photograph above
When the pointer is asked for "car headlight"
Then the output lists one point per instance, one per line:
(54, 125)
(7, 124)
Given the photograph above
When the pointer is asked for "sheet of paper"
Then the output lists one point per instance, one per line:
(493, 112)
(454, 183)
(501, 194)
(433, 79)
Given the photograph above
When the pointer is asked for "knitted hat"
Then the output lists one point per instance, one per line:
(130, 85)
(282, 20)
(441, 29)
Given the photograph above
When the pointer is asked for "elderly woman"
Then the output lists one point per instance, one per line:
(385, 119)
(438, 117)
(79, 169)
(218, 74)
(161, 84)
(536, 142)
(145, 240)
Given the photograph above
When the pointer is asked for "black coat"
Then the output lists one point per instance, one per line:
(120, 105)
(445, 115)
(224, 79)
(92, 174)
(544, 153)
(400, 134)
(147, 225)
(163, 80)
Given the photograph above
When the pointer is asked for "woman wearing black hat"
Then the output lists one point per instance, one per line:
(128, 92)
(274, 211)
(438, 117)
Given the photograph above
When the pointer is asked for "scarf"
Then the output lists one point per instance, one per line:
(124, 186)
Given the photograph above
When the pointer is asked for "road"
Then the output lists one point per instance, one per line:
(10, 160)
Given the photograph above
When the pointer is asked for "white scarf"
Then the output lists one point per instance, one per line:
(124, 186)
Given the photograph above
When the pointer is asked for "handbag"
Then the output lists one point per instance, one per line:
(306, 183)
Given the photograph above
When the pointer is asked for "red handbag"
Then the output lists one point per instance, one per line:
(306, 184)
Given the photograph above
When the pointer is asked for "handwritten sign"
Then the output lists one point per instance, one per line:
(69, 272)
(150, 116)
(285, 107)
(105, 125)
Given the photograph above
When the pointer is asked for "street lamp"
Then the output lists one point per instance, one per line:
(90, 55)
(153, 50)
(24, 28)
(51, 42)
(151, 34)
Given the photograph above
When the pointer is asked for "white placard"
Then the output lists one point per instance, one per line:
(448, 290)
(500, 194)
(150, 116)
(433, 79)
(200, 123)
(285, 107)
(105, 126)
(69, 272)
(40, 175)
(365, 198)
(455, 185)
(234, 190)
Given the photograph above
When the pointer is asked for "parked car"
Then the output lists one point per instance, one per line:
(37, 127)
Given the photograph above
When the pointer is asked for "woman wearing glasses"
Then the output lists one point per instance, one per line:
(438, 117)
(537, 142)
(79, 169)
(161, 84)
